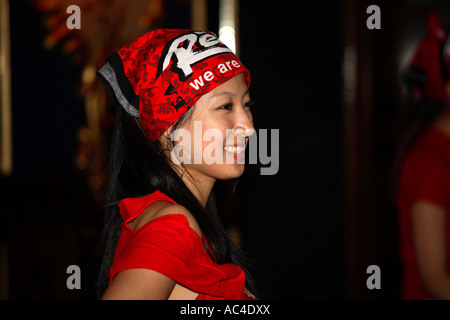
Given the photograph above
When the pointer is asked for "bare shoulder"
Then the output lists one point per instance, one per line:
(163, 208)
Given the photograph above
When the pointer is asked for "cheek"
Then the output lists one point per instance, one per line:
(207, 142)
(213, 146)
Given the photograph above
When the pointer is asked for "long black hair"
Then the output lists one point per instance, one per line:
(137, 167)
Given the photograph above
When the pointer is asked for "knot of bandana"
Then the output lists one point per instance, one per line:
(160, 75)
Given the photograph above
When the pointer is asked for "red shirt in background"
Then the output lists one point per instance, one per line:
(425, 176)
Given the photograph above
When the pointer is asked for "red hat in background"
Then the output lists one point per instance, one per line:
(428, 70)
(160, 75)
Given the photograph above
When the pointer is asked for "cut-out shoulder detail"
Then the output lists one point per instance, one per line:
(163, 208)
(179, 209)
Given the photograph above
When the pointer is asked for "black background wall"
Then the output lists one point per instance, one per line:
(293, 220)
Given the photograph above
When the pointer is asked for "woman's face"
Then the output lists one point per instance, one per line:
(214, 139)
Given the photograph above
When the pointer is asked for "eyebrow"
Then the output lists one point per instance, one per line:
(228, 93)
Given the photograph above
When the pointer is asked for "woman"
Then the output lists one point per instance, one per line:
(182, 100)
(423, 196)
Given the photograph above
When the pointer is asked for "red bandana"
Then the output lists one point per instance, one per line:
(158, 76)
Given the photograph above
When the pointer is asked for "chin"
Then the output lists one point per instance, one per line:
(218, 171)
(231, 171)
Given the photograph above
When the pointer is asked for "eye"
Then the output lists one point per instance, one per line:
(250, 104)
(226, 107)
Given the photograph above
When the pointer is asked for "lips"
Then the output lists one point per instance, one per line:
(236, 152)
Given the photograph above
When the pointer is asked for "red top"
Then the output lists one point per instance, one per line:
(425, 176)
(168, 245)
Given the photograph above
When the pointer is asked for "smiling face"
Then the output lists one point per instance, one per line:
(213, 140)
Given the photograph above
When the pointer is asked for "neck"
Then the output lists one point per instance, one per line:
(200, 186)
(443, 120)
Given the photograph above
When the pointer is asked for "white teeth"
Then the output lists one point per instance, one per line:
(234, 149)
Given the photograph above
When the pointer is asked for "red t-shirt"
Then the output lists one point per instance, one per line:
(425, 176)
(168, 245)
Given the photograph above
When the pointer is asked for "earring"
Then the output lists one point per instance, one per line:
(184, 170)
(185, 160)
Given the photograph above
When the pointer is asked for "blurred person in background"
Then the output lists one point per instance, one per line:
(423, 186)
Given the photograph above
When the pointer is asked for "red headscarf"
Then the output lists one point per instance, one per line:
(158, 76)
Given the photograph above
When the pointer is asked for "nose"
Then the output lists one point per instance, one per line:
(243, 124)
(240, 130)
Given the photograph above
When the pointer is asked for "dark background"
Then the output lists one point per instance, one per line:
(294, 220)
(313, 228)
